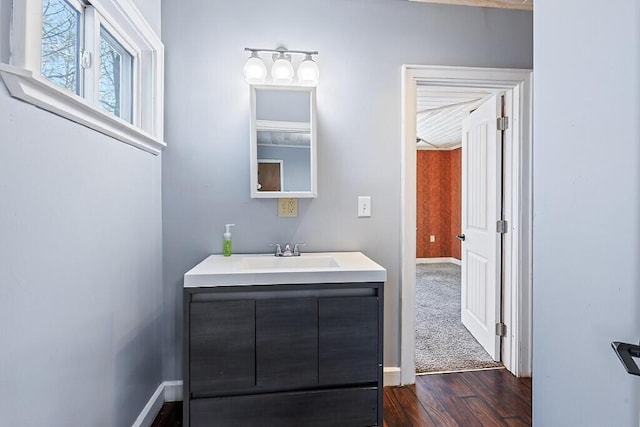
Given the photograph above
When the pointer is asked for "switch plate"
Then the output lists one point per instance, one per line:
(364, 206)
(432, 238)
(288, 208)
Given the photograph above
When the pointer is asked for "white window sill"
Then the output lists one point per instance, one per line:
(24, 85)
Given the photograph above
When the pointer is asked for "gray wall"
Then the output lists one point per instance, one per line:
(587, 211)
(362, 45)
(80, 269)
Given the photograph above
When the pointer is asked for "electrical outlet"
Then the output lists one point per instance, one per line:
(288, 208)
(432, 238)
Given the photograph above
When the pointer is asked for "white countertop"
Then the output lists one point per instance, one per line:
(266, 269)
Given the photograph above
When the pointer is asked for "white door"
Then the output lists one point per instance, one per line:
(481, 209)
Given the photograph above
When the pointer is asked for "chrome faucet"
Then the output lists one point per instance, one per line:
(287, 249)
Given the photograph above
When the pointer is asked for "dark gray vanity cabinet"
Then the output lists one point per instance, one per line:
(283, 355)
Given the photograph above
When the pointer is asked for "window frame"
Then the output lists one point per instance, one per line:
(124, 22)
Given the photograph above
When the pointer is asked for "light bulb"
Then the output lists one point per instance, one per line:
(282, 70)
(254, 70)
(308, 71)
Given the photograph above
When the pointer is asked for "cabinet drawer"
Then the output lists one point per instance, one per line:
(335, 408)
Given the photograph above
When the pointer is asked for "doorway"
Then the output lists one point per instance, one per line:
(457, 304)
(516, 243)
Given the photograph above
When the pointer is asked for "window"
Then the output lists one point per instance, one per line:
(61, 44)
(97, 63)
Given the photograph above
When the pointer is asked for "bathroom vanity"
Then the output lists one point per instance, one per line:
(283, 341)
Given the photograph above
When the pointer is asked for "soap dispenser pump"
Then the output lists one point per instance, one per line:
(226, 249)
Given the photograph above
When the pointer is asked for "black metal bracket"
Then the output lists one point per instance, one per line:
(626, 353)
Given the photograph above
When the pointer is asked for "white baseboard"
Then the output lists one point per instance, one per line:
(391, 376)
(451, 260)
(168, 391)
(172, 391)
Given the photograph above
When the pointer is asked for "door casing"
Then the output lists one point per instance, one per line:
(517, 249)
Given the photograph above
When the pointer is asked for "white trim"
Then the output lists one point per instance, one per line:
(168, 391)
(172, 391)
(24, 85)
(151, 409)
(391, 376)
(519, 259)
(450, 260)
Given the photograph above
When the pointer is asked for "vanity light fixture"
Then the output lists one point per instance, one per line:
(282, 71)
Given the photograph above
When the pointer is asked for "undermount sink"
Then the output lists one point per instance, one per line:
(310, 261)
(266, 269)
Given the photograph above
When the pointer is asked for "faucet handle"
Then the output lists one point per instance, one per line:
(296, 248)
(278, 248)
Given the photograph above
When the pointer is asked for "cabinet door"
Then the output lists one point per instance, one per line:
(287, 343)
(222, 347)
(348, 340)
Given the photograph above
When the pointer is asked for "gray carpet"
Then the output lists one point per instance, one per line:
(442, 342)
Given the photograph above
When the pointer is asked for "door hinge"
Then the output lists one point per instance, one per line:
(503, 123)
(85, 59)
(502, 226)
(501, 329)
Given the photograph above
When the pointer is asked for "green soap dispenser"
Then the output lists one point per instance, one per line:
(226, 249)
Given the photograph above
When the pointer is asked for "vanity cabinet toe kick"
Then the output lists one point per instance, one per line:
(283, 355)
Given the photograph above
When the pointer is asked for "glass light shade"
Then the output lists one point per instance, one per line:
(282, 71)
(308, 71)
(254, 69)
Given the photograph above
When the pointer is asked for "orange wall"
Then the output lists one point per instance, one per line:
(456, 202)
(439, 175)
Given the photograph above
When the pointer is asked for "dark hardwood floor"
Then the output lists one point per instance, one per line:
(467, 399)
(477, 398)
(169, 416)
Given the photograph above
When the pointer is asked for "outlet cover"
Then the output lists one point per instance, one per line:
(432, 238)
(288, 208)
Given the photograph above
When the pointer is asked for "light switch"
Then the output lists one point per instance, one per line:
(364, 206)
(432, 238)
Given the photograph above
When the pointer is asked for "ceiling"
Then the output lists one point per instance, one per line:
(503, 4)
(440, 114)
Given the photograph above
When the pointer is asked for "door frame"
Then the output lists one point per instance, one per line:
(517, 243)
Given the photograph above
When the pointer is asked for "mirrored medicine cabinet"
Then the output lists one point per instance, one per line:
(283, 142)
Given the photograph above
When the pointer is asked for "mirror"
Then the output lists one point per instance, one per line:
(283, 142)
